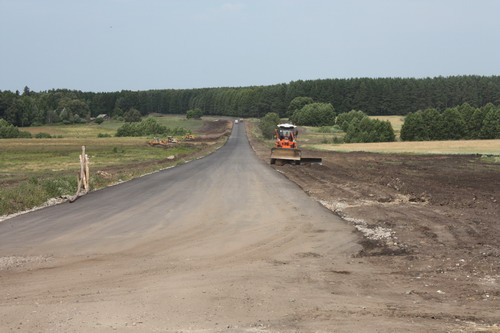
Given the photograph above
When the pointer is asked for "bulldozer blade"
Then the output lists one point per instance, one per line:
(285, 154)
(315, 160)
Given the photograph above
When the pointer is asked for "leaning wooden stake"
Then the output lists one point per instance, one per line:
(83, 177)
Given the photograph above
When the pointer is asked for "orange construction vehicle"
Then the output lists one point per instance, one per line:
(157, 142)
(286, 150)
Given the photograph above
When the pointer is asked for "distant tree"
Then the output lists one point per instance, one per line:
(314, 114)
(466, 112)
(369, 130)
(416, 125)
(298, 103)
(476, 122)
(132, 116)
(345, 119)
(117, 112)
(268, 124)
(66, 116)
(26, 91)
(433, 125)
(491, 124)
(52, 117)
(452, 125)
(194, 114)
(77, 119)
(74, 106)
(10, 131)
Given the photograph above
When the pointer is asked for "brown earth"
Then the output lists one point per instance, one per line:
(212, 130)
(431, 220)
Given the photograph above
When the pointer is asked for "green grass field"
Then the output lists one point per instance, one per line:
(22, 158)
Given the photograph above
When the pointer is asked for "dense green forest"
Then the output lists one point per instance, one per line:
(374, 96)
(457, 123)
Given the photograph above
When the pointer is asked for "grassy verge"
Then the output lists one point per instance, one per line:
(29, 178)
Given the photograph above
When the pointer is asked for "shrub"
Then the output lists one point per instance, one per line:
(103, 135)
(194, 114)
(344, 119)
(10, 131)
(24, 135)
(132, 116)
(298, 103)
(369, 130)
(268, 123)
(99, 120)
(338, 140)
(43, 135)
(314, 114)
(78, 120)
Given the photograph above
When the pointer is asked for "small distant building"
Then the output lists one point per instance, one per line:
(103, 116)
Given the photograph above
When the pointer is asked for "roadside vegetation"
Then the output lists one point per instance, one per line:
(194, 113)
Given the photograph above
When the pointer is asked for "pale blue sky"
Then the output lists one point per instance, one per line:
(110, 45)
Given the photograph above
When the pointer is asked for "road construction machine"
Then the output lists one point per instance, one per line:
(286, 150)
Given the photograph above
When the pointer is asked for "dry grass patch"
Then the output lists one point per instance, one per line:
(420, 147)
(396, 121)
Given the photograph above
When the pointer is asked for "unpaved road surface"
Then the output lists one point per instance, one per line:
(221, 244)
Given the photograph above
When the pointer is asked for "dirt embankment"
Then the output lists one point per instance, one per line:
(213, 130)
(433, 219)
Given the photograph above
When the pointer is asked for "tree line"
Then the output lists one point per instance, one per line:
(374, 96)
(461, 122)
